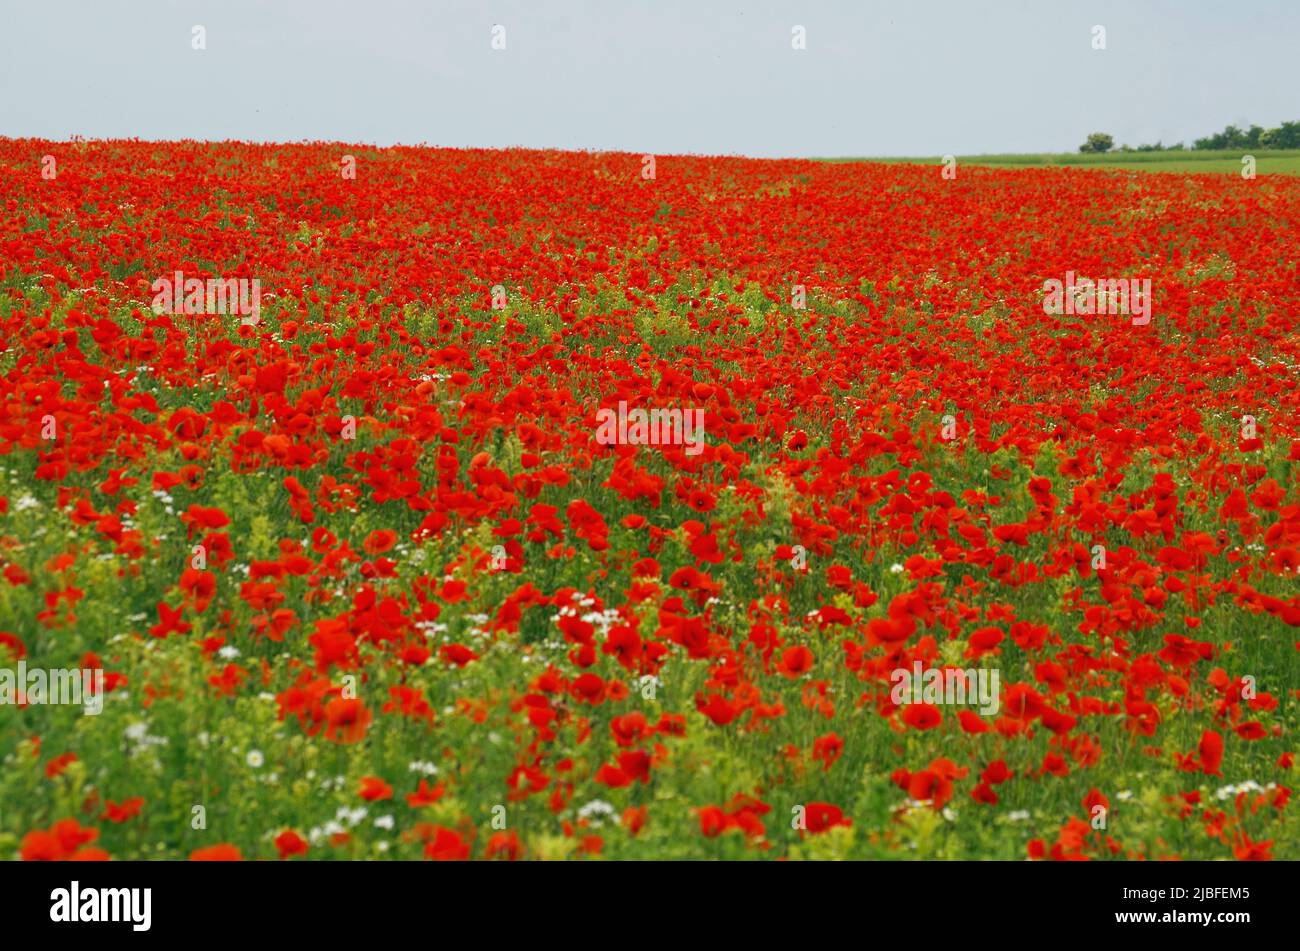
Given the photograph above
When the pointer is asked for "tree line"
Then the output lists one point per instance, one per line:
(1285, 136)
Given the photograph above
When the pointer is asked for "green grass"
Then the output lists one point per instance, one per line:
(1279, 162)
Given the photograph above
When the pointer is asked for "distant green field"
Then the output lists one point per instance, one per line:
(1280, 162)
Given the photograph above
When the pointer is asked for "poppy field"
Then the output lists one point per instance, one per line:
(415, 503)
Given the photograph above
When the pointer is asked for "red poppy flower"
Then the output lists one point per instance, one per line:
(375, 789)
(346, 721)
(223, 852)
(290, 843)
(922, 716)
(379, 541)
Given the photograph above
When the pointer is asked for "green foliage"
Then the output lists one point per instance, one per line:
(1098, 142)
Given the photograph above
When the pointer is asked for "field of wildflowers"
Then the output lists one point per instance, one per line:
(459, 504)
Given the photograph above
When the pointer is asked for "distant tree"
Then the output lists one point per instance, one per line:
(1098, 142)
(1217, 140)
(1230, 138)
(1151, 147)
(1286, 136)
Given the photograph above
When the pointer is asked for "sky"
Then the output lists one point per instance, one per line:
(901, 78)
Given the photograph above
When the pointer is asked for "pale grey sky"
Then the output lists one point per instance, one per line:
(909, 77)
